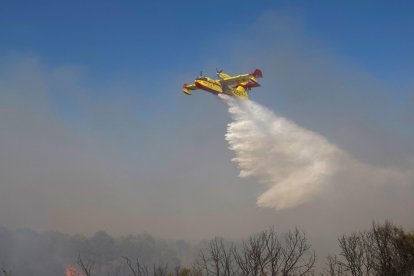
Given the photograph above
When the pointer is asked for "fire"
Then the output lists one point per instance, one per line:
(71, 271)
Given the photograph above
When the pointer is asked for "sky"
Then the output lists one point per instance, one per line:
(95, 133)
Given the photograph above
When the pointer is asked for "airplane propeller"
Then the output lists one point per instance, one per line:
(219, 71)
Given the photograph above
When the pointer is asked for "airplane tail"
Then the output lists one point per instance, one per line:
(186, 90)
(257, 73)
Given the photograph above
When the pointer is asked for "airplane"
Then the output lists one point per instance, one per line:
(236, 86)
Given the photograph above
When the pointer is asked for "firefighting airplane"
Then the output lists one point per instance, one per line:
(236, 86)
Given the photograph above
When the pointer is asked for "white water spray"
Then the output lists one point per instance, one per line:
(293, 162)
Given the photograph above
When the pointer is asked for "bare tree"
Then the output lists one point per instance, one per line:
(218, 259)
(353, 251)
(383, 250)
(392, 254)
(262, 254)
(86, 267)
(297, 258)
(334, 267)
(137, 268)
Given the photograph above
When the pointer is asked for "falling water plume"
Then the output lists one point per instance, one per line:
(293, 162)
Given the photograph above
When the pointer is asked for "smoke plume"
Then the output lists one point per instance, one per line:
(293, 162)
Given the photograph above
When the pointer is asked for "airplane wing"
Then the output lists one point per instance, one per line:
(241, 78)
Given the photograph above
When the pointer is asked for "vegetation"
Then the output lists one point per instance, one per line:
(26, 252)
(385, 249)
(265, 253)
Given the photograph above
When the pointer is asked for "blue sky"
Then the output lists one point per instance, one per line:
(159, 36)
(95, 130)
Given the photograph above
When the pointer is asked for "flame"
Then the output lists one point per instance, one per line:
(71, 271)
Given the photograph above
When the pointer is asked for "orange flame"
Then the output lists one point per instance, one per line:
(71, 271)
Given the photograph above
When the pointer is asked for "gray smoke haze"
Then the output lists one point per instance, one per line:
(80, 157)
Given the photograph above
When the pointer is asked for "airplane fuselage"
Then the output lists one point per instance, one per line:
(209, 85)
(237, 86)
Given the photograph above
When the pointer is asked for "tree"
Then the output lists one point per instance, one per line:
(262, 254)
(86, 266)
(217, 259)
(137, 269)
(383, 250)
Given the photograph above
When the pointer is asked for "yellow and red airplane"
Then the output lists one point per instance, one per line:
(236, 86)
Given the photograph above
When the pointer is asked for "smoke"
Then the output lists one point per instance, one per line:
(294, 163)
